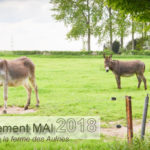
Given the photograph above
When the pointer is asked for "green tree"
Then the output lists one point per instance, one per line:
(108, 25)
(83, 16)
(140, 28)
(137, 8)
(122, 26)
(133, 32)
(115, 47)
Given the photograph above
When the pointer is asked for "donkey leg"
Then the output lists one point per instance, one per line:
(5, 97)
(144, 80)
(32, 80)
(118, 81)
(139, 81)
(29, 90)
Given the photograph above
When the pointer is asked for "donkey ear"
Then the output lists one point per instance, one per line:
(104, 55)
(110, 56)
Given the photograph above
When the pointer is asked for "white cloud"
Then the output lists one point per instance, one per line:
(32, 27)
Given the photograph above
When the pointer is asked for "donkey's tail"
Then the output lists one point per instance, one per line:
(144, 68)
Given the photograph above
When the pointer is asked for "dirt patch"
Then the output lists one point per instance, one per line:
(17, 110)
(122, 132)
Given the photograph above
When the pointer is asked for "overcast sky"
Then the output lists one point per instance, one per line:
(28, 25)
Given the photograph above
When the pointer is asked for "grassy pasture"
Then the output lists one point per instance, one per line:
(80, 86)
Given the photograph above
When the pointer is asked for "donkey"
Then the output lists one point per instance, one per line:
(15, 73)
(125, 69)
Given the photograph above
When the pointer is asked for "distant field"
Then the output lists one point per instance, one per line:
(80, 86)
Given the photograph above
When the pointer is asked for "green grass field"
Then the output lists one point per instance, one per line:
(80, 87)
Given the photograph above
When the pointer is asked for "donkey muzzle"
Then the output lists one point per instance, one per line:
(107, 69)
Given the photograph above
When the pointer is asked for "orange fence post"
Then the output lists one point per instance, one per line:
(129, 119)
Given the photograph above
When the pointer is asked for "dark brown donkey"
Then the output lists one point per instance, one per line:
(125, 69)
(18, 72)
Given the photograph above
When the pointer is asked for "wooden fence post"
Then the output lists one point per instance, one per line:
(129, 119)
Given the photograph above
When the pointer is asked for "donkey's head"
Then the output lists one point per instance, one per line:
(107, 62)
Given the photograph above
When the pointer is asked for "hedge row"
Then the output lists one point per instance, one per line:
(45, 52)
(76, 53)
(136, 52)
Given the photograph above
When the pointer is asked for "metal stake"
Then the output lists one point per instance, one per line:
(144, 116)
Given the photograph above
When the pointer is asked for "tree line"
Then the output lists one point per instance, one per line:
(100, 19)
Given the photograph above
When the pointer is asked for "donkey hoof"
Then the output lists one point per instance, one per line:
(37, 105)
(4, 111)
(26, 107)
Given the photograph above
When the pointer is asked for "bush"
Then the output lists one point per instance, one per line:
(129, 45)
(106, 51)
(146, 52)
(115, 47)
(139, 44)
(136, 52)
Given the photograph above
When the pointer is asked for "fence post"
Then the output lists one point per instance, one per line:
(144, 116)
(129, 119)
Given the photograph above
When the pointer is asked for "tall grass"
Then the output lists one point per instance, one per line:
(78, 145)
